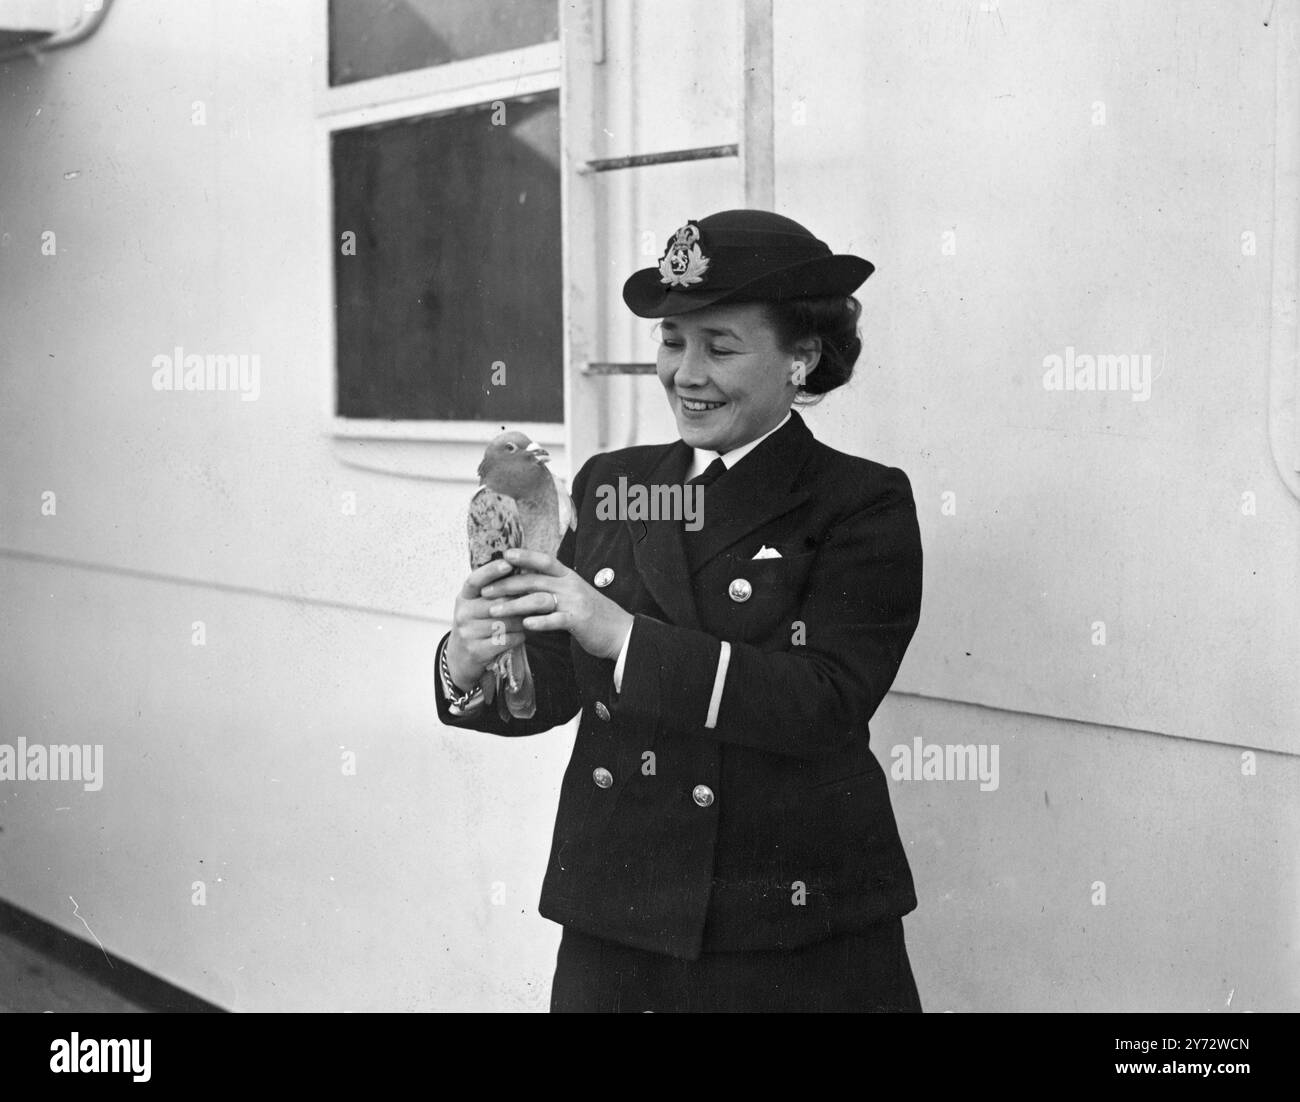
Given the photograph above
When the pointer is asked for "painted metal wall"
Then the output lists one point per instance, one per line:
(956, 144)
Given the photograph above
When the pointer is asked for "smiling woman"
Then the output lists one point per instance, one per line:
(726, 378)
(757, 358)
(724, 839)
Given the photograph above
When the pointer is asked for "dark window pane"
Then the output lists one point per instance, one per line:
(457, 266)
(374, 38)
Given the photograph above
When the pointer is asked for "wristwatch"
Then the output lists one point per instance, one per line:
(459, 701)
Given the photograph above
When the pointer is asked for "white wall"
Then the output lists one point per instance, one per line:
(1118, 763)
(223, 762)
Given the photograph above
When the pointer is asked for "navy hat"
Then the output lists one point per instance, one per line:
(741, 256)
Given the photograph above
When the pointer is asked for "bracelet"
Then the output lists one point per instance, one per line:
(459, 701)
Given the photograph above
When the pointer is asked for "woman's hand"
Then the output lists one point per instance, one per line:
(554, 598)
(477, 636)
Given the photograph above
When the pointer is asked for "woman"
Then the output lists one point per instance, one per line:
(724, 839)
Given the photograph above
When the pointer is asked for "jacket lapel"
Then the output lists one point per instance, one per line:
(757, 490)
(657, 544)
(754, 492)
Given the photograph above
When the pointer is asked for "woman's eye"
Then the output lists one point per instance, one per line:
(712, 351)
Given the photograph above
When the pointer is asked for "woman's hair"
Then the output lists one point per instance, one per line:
(835, 320)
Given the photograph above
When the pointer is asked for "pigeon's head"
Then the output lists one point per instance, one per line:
(513, 464)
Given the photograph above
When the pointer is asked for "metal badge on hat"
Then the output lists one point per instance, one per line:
(683, 264)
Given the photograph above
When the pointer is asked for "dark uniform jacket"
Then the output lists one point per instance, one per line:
(772, 828)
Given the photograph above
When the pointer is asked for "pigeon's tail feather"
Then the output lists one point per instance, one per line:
(519, 692)
(508, 680)
(503, 705)
(489, 681)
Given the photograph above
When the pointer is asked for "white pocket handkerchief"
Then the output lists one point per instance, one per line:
(765, 552)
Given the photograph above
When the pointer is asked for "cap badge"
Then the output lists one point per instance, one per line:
(683, 264)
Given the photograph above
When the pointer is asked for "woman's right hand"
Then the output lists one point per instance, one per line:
(476, 637)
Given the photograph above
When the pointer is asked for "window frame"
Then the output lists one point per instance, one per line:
(419, 448)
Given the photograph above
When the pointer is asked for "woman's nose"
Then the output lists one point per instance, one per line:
(690, 369)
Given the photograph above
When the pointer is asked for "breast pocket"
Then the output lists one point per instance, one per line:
(755, 600)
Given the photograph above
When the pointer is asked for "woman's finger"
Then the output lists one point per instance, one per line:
(551, 621)
(499, 643)
(472, 611)
(483, 626)
(517, 585)
(537, 561)
(531, 604)
(477, 579)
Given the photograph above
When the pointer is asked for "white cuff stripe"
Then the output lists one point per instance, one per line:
(622, 660)
(724, 659)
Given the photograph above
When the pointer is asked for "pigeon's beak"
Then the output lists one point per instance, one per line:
(538, 452)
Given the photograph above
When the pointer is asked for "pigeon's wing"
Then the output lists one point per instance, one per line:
(518, 693)
(568, 513)
(494, 526)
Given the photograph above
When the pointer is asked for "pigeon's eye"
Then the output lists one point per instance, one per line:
(511, 448)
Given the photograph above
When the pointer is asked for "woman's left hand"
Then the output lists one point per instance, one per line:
(553, 598)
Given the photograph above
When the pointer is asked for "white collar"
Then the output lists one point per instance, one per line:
(703, 458)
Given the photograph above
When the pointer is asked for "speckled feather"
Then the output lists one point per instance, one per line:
(493, 526)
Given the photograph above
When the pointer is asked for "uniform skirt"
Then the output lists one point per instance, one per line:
(866, 971)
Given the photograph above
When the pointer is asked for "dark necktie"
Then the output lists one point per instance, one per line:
(707, 477)
(710, 474)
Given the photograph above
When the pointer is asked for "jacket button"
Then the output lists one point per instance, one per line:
(602, 776)
(740, 590)
(601, 710)
(702, 795)
(604, 576)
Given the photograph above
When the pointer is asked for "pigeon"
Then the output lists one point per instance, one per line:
(518, 505)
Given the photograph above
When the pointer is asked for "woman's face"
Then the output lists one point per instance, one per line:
(728, 381)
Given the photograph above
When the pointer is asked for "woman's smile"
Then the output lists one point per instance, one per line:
(698, 406)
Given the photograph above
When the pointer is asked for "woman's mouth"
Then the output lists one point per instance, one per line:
(694, 405)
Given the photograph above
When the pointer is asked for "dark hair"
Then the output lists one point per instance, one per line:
(835, 320)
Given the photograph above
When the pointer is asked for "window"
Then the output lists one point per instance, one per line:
(376, 38)
(440, 151)
(450, 308)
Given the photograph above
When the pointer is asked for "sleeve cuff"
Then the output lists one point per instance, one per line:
(667, 675)
(455, 705)
(622, 659)
(719, 680)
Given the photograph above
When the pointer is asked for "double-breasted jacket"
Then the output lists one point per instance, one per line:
(764, 821)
